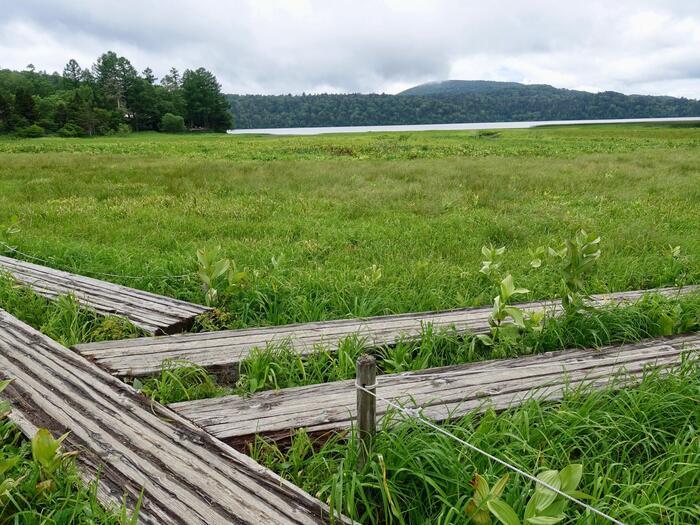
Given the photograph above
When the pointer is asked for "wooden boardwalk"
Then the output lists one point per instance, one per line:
(187, 476)
(155, 314)
(225, 349)
(440, 393)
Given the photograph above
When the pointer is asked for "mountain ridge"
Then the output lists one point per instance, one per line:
(452, 101)
(463, 87)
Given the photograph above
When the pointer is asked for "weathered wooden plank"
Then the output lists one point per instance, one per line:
(153, 313)
(440, 392)
(187, 476)
(225, 349)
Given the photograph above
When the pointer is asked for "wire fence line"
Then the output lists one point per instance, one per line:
(102, 274)
(414, 413)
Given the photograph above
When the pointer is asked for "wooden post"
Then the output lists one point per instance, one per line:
(366, 377)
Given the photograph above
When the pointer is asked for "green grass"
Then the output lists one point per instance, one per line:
(63, 319)
(564, 141)
(180, 381)
(639, 449)
(326, 236)
(354, 225)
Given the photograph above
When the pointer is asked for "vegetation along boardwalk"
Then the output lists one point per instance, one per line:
(187, 476)
(152, 313)
(225, 349)
(441, 393)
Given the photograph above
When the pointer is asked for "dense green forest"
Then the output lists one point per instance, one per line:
(109, 97)
(451, 101)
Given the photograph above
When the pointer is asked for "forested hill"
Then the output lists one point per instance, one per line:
(450, 102)
(464, 87)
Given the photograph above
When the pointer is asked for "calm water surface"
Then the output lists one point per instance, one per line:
(449, 127)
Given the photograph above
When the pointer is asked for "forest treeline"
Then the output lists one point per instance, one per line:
(506, 103)
(109, 97)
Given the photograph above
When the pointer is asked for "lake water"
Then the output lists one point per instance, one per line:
(449, 127)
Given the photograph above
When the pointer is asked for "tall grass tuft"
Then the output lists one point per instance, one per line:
(180, 381)
(639, 449)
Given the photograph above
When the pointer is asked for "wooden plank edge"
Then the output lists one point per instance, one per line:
(105, 492)
(240, 440)
(226, 366)
(184, 321)
(29, 418)
(29, 270)
(333, 329)
(368, 322)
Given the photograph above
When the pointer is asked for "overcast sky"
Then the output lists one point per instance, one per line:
(291, 46)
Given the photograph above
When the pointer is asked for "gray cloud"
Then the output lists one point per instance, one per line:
(282, 46)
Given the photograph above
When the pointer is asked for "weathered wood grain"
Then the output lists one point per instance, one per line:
(440, 393)
(187, 476)
(225, 349)
(153, 313)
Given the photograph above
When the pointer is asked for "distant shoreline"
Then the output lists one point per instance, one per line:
(450, 127)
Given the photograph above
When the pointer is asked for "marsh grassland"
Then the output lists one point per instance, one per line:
(343, 226)
(357, 225)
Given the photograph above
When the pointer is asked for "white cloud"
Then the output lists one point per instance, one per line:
(281, 46)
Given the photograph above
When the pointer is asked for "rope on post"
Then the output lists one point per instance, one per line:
(365, 382)
(416, 414)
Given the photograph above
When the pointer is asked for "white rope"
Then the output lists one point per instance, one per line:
(414, 413)
(39, 259)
